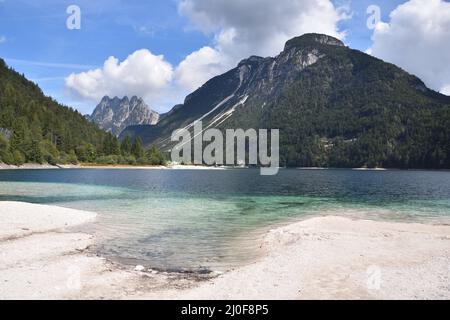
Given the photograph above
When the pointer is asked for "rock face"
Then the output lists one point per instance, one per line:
(334, 106)
(116, 114)
(6, 133)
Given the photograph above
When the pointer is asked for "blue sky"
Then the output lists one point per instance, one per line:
(35, 41)
(36, 31)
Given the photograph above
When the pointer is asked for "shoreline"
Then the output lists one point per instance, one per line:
(46, 166)
(35, 166)
(324, 257)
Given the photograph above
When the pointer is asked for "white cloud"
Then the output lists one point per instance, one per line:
(198, 66)
(141, 73)
(2, 38)
(417, 38)
(446, 90)
(251, 27)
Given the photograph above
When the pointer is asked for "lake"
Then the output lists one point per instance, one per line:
(213, 219)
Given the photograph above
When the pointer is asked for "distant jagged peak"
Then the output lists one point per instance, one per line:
(115, 114)
(107, 98)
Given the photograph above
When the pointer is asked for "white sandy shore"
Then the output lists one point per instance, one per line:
(27, 166)
(319, 258)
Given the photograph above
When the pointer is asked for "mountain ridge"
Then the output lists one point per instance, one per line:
(335, 106)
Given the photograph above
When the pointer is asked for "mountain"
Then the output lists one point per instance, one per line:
(35, 128)
(116, 114)
(334, 106)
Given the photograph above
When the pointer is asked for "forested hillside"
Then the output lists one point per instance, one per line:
(35, 128)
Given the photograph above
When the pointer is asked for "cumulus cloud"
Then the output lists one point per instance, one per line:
(141, 73)
(198, 66)
(2, 38)
(446, 90)
(417, 38)
(252, 27)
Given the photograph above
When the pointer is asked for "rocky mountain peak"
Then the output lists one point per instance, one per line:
(135, 99)
(115, 114)
(250, 61)
(313, 39)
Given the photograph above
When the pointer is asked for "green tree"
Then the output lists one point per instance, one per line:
(125, 147)
(111, 145)
(5, 154)
(34, 153)
(154, 156)
(20, 135)
(50, 153)
(4, 144)
(137, 149)
(72, 157)
(86, 152)
(18, 158)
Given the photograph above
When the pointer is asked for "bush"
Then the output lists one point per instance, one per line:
(50, 153)
(108, 160)
(142, 161)
(62, 159)
(3, 143)
(34, 152)
(6, 157)
(18, 158)
(86, 152)
(129, 160)
(51, 159)
(155, 157)
(71, 158)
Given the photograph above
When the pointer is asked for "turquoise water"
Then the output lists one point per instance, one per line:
(195, 220)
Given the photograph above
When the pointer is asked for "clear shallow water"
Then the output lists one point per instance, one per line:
(183, 219)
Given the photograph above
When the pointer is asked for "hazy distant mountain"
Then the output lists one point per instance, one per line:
(116, 114)
(334, 106)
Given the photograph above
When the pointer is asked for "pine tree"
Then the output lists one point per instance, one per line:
(125, 147)
(111, 145)
(34, 154)
(154, 156)
(137, 149)
(20, 135)
(115, 146)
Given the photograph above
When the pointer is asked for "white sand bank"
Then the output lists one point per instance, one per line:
(319, 258)
(41, 259)
(27, 166)
(21, 219)
(338, 258)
